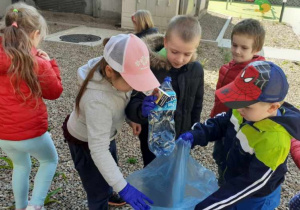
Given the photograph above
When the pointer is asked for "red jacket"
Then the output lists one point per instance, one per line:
(227, 74)
(295, 152)
(19, 120)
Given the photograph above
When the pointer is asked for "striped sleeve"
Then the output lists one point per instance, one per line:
(238, 188)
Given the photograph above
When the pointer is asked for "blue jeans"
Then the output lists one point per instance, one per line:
(43, 149)
(268, 202)
(97, 189)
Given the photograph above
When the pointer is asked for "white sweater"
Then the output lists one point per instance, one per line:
(101, 115)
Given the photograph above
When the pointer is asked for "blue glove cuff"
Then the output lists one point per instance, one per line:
(187, 136)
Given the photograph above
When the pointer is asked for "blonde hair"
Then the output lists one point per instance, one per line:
(185, 26)
(143, 20)
(21, 20)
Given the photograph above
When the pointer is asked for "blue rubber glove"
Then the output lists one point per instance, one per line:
(135, 198)
(187, 137)
(148, 105)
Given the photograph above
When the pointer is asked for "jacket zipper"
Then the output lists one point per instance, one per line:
(223, 175)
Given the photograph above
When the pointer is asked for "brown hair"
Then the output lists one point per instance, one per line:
(100, 66)
(143, 20)
(252, 28)
(17, 45)
(186, 26)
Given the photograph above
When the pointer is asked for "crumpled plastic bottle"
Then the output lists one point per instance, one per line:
(161, 138)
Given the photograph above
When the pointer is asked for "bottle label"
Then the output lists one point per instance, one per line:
(162, 97)
(166, 101)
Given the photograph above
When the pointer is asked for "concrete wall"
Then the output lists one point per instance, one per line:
(96, 8)
(162, 11)
(3, 5)
(108, 9)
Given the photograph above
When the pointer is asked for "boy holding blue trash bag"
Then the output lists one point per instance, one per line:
(258, 131)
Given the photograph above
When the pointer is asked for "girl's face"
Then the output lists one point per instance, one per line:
(242, 48)
(35, 38)
(117, 80)
(120, 84)
(180, 52)
(134, 22)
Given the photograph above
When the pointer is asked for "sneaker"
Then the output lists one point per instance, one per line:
(116, 200)
(30, 207)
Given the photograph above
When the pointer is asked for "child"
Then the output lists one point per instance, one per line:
(257, 136)
(143, 24)
(27, 76)
(106, 84)
(247, 39)
(175, 59)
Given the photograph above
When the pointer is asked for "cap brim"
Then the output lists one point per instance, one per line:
(142, 82)
(232, 97)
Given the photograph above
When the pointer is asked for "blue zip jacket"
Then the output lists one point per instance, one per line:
(256, 157)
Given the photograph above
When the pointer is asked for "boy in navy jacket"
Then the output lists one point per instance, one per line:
(257, 132)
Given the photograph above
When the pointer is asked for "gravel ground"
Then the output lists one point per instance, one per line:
(275, 34)
(212, 24)
(70, 57)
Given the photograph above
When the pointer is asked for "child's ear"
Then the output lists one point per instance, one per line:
(256, 51)
(165, 43)
(35, 34)
(274, 107)
(109, 71)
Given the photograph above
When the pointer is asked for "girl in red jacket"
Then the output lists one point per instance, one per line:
(27, 76)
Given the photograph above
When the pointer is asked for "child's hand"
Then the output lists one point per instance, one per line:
(187, 137)
(136, 128)
(155, 92)
(43, 54)
(135, 198)
(148, 104)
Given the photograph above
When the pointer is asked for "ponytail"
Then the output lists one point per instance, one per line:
(17, 46)
(22, 20)
(101, 65)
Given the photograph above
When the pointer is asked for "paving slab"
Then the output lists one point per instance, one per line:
(286, 54)
(103, 33)
(291, 15)
(270, 52)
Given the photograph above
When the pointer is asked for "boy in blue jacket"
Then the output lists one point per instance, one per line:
(257, 131)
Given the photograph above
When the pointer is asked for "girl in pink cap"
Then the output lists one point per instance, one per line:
(106, 83)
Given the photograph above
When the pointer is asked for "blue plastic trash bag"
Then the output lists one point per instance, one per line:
(176, 181)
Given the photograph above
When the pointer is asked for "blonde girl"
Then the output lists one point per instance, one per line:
(143, 23)
(27, 75)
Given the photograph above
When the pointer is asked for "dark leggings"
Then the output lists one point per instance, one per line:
(97, 189)
(147, 155)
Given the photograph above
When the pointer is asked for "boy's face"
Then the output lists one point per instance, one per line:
(242, 48)
(259, 111)
(180, 52)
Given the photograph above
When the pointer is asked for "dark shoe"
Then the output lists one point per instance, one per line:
(116, 200)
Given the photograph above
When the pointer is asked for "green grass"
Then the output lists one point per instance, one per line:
(132, 160)
(243, 10)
